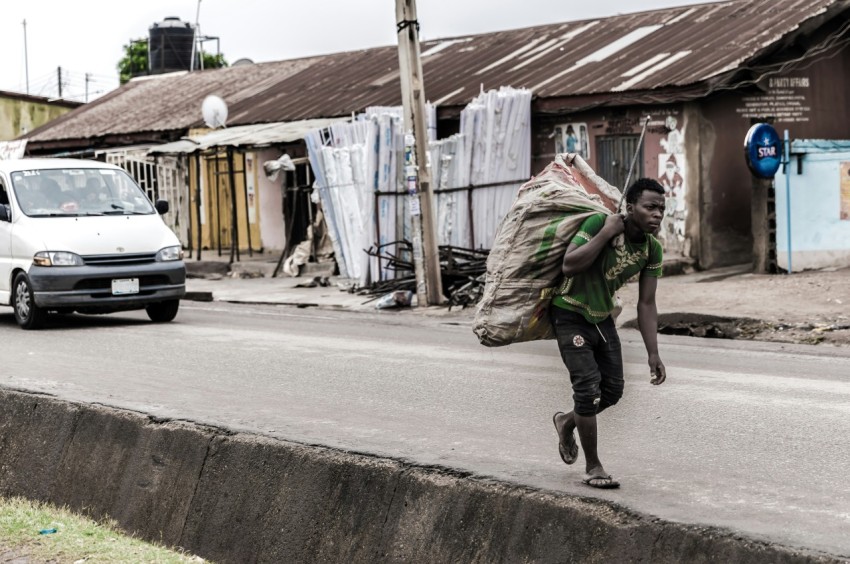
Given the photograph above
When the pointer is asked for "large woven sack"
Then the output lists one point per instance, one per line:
(524, 265)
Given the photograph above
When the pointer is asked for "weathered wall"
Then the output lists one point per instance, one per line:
(21, 115)
(240, 498)
(217, 200)
(809, 102)
(270, 194)
(263, 211)
(819, 189)
(694, 153)
(665, 156)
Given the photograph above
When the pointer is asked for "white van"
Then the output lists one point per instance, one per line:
(82, 236)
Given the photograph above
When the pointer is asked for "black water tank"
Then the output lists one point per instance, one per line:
(170, 46)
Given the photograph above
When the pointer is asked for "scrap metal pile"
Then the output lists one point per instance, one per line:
(462, 272)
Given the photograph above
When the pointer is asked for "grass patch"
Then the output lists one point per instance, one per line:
(46, 533)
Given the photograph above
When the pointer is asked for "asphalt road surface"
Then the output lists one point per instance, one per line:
(754, 437)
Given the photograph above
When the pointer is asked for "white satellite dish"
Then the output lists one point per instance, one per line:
(214, 110)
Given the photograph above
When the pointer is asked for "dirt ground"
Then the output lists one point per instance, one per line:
(809, 307)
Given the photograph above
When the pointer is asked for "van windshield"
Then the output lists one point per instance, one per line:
(78, 191)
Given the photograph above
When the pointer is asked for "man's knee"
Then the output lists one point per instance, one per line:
(586, 404)
(610, 396)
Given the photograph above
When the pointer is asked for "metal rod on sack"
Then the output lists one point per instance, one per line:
(632, 166)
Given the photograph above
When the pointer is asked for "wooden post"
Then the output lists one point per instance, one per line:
(763, 214)
(234, 218)
(198, 199)
(413, 99)
(247, 207)
(218, 200)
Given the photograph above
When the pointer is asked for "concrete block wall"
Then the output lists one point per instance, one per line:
(242, 498)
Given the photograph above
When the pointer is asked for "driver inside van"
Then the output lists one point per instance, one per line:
(91, 195)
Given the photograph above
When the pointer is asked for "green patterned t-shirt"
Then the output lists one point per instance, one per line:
(591, 292)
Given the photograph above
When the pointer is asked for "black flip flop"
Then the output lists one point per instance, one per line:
(568, 451)
(601, 482)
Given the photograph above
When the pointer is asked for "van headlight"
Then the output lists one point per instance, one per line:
(170, 253)
(57, 258)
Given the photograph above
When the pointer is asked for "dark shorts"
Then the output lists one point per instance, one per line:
(593, 357)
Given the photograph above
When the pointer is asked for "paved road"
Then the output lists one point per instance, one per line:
(750, 436)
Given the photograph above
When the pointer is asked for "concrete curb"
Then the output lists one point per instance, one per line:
(198, 296)
(243, 498)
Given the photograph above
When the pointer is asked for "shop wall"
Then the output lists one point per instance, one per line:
(607, 139)
(819, 190)
(809, 103)
(270, 194)
(217, 201)
(696, 151)
(248, 200)
(726, 184)
(263, 212)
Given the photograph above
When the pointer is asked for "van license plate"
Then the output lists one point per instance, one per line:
(121, 286)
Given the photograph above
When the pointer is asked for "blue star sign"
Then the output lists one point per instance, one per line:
(763, 150)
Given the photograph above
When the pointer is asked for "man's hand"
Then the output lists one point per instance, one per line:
(579, 258)
(614, 225)
(656, 370)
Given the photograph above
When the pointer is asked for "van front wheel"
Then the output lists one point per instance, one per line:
(162, 312)
(27, 314)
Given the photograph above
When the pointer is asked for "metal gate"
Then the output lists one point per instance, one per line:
(614, 155)
(163, 178)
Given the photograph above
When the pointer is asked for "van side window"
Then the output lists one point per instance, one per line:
(4, 197)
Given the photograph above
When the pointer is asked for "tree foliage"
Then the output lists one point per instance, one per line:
(135, 60)
(214, 61)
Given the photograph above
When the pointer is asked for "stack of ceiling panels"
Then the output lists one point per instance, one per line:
(338, 156)
(499, 124)
(492, 150)
(450, 171)
(359, 171)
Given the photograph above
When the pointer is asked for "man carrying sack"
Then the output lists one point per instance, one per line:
(580, 314)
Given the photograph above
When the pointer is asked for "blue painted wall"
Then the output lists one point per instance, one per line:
(819, 237)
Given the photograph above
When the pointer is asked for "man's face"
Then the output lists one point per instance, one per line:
(648, 211)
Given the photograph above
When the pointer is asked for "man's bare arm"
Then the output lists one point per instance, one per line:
(578, 259)
(648, 325)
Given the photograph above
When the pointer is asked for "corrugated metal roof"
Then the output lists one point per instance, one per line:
(669, 48)
(61, 102)
(257, 135)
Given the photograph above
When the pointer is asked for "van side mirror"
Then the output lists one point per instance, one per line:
(161, 206)
(5, 213)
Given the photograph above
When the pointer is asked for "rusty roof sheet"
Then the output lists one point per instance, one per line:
(646, 51)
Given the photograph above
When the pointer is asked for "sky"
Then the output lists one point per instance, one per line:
(85, 38)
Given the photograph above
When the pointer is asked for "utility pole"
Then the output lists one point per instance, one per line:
(88, 78)
(26, 58)
(59, 80)
(196, 41)
(413, 99)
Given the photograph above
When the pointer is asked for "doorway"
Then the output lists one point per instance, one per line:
(614, 154)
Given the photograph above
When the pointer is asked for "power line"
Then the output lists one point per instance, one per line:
(84, 85)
